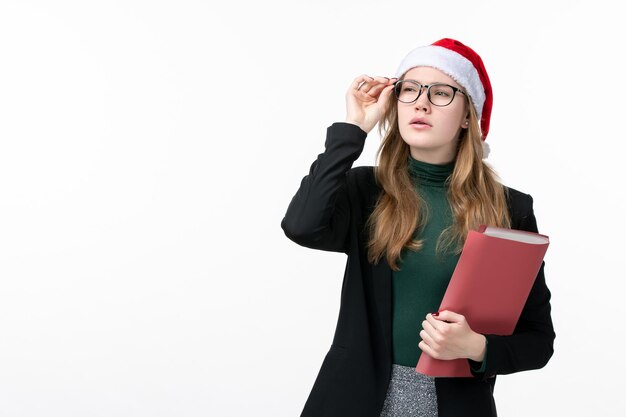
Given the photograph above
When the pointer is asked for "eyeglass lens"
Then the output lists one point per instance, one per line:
(438, 94)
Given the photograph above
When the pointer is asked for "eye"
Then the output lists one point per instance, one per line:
(441, 90)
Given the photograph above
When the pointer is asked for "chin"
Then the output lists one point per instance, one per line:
(430, 147)
(419, 140)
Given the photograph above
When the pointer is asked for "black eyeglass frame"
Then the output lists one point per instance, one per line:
(421, 87)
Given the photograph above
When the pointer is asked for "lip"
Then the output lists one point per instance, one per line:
(419, 119)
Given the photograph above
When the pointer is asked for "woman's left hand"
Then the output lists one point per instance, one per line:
(449, 336)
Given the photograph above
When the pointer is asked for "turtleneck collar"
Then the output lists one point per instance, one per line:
(425, 173)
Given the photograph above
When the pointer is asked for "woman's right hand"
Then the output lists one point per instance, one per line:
(366, 100)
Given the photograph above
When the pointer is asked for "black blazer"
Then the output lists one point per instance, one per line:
(328, 212)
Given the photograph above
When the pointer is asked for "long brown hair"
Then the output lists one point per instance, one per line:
(475, 194)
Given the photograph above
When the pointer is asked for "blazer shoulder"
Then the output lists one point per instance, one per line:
(516, 197)
(520, 203)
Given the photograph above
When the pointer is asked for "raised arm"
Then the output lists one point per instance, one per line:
(318, 216)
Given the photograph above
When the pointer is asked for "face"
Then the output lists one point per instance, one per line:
(435, 141)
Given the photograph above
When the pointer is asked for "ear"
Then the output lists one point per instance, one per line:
(465, 122)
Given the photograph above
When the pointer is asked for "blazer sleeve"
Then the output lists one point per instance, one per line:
(531, 344)
(318, 215)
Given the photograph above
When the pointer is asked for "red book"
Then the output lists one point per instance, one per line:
(490, 284)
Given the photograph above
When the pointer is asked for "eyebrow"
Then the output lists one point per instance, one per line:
(436, 82)
(418, 81)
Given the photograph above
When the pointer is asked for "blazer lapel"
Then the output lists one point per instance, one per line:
(382, 276)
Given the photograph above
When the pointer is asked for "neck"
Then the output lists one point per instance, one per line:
(428, 174)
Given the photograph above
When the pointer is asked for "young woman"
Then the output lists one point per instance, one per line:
(402, 224)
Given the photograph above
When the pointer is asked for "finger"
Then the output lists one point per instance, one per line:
(439, 325)
(429, 340)
(383, 80)
(450, 316)
(367, 83)
(430, 329)
(367, 87)
(375, 90)
(385, 95)
(437, 335)
(359, 81)
(428, 350)
(386, 90)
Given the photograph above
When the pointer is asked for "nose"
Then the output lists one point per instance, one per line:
(422, 102)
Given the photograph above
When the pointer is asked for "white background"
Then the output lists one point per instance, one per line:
(149, 150)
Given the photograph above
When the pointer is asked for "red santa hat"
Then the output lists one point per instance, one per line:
(463, 65)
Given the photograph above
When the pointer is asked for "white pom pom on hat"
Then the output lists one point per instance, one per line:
(486, 149)
(462, 64)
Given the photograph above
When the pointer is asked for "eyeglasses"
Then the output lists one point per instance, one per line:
(439, 94)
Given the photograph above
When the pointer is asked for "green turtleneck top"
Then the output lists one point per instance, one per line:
(419, 285)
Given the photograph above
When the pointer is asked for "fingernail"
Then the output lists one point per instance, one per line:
(436, 313)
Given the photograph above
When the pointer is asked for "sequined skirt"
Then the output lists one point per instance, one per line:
(410, 394)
